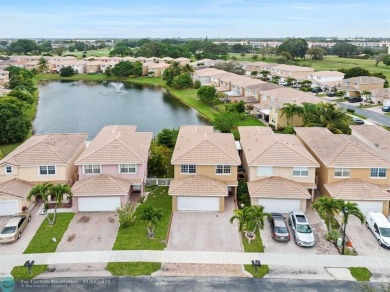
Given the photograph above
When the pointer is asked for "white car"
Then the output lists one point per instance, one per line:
(380, 226)
(301, 229)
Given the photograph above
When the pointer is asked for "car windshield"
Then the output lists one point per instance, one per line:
(385, 232)
(281, 230)
(303, 228)
(8, 230)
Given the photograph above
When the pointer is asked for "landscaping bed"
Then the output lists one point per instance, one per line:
(361, 274)
(133, 269)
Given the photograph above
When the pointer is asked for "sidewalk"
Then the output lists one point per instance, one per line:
(272, 259)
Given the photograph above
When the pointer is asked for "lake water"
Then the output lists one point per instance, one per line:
(86, 107)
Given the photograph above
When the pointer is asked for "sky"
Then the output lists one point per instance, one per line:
(193, 18)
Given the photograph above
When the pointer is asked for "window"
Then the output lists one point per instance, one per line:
(188, 168)
(47, 170)
(127, 168)
(92, 169)
(264, 171)
(378, 172)
(342, 172)
(300, 171)
(8, 169)
(222, 169)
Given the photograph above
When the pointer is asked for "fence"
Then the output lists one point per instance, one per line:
(158, 181)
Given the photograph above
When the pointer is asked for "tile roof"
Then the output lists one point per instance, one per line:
(365, 80)
(375, 135)
(117, 144)
(356, 189)
(197, 185)
(263, 86)
(327, 73)
(207, 72)
(101, 185)
(16, 188)
(341, 150)
(201, 146)
(277, 187)
(292, 68)
(263, 147)
(380, 92)
(46, 149)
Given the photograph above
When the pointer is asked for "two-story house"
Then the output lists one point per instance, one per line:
(349, 168)
(42, 158)
(111, 168)
(356, 85)
(325, 78)
(279, 169)
(205, 169)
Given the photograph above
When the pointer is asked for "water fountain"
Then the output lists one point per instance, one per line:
(118, 89)
(117, 85)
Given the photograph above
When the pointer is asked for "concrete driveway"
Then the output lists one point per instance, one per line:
(20, 245)
(363, 240)
(204, 231)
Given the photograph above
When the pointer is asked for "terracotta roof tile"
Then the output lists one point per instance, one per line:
(376, 136)
(197, 185)
(16, 187)
(101, 185)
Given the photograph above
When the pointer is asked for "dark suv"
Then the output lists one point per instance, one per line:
(279, 230)
(355, 99)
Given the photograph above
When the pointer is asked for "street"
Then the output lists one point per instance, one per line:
(378, 118)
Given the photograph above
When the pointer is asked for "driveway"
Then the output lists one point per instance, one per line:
(20, 245)
(204, 231)
(322, 245)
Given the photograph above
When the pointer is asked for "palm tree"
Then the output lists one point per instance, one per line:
(264, 74)
(290, 110)
(187, 68)
(327, 207)
(290, 80)
(43, 191)
(367, 94)
(275, 79)
(152, 216)
(242, 215)
(57, 193)
(353, 209)
(257, 214)
(43, 65)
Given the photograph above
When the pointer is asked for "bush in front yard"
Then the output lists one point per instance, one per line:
(126, 215)
(333, 235)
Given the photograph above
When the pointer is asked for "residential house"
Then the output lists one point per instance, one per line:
(78, 66)
(290, 71)
(13, 196)
(377, 96)
(4, 77)
(356, 85)
(111, 169)
(183, 61)
(373, 135)
(204, 75)
(280, 171)
(205, 169)
(238, 84)
(204, 63)
(154, 69)
(349, 168)
(93, 66)
(325, 78)
(109, 64)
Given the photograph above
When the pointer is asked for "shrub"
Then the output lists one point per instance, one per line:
(207, 94)
(243, 197)
(350, 110)
(182, 81)
(197, 84)
(333, 235)
(67, 71)
(126, 215)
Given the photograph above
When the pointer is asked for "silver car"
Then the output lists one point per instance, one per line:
(12, 231)
(301, 229)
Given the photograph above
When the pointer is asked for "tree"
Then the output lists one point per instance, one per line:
(158, 160)
(22, 46)
(255, 57)
(230, 66)
(327, 207)
(42, 190)
(182, 81)
(225, 121)
(57, 193)
(237, 107)
(344, 49)
(356, 72)
(13, 124)
(379, 58)
(296, 47)
(67, 71)
(59, 51)
(43, 65)
(367, 94)
(290, 110)
(257, 215)
(126, 215)
(243, 218)
(124, 69)
(22, 95)
(316, 53)
(168, 137)
(152, 216)
(207, 94)
(1, 155)
(353, 209)
(171, 72)
(386, 60)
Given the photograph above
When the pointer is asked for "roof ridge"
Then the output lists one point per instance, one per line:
(272, 144)
(44, 140)
(337, 153)
(27, 148)
(92, 152)
(129, 149)
(220, 149)
(312, 159)
(212, 181)
(113, 179)
(86, 181)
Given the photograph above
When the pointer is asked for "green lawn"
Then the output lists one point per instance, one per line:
(255, 245)
(96, 53)
(387, 114)
(133, 269)
(76, 77)
(7, 148)
(21, 272)
(250, 121)
(261, 271)
(42, 240)
(361, 274)
(135, 237)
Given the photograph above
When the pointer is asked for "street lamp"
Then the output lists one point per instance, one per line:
(345, 212)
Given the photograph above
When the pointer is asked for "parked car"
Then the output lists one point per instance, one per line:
(279, 230)
(13, 229)
(296, 86)
(331, 94)
(358, 121)
(355, 99)
(316, 89)
(301, 229)
(283, 83)
(380, 226)
(386, 109)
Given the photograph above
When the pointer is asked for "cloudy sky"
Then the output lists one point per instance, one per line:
(193, 18)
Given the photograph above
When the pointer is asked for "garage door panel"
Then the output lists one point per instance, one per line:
(8, 207)
(279, 205)
(366, 207)
(198, 203)
(99, 204)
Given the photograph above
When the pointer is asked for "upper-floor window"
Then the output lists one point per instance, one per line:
(264, 171)
(378, 172)
(128, 168)
(300, 171)
(8, 169)
(47, 170)
(92, 169)
(188, 168)
(222, 169)
(342, 172)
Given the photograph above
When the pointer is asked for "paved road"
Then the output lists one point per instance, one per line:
(204, 284)
(377, 118)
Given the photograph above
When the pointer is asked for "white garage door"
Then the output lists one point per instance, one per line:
(99, 204)
(279, 205)
(366, 207)
(198, 204)
(8, 208)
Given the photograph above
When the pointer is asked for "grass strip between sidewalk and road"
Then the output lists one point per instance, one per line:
(42, 240)
(22, 273)
(261, 271)
(133, 269)
(361, 274)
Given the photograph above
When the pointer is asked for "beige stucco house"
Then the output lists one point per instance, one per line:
(13, 196)
(356, 85)
(349, 169)
(205, 169)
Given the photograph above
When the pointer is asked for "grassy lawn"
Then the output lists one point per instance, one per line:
(250, 121)
(41, 242)
(361, 274)
(387, 114)
(255, 245)
(261, 271)
(96, 53)
(7, 148)
(135, 237)
(76, 77)
(133, 269)
(21, 272)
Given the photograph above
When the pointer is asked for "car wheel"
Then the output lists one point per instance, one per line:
(367, 225)
(29, 218)
(20, 235)
(295, 239)
(380, 242)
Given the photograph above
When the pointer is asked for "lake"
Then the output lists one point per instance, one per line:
(86, 107)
